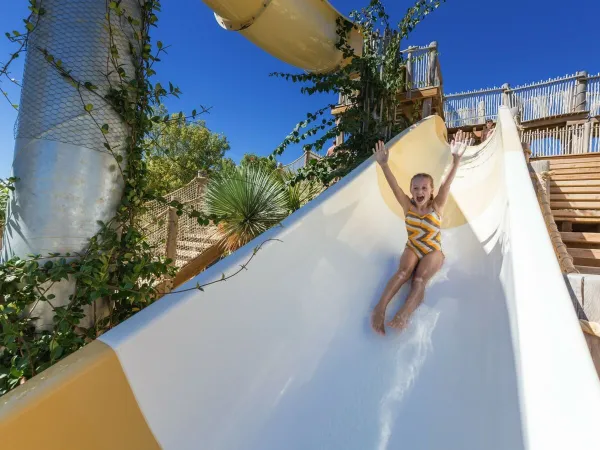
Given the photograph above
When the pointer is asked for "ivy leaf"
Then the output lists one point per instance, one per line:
(89, 107)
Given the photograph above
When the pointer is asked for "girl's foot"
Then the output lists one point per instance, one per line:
(399, 322)
(378, 319)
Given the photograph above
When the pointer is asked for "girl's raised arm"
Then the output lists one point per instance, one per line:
(457, 147)
(382, 155)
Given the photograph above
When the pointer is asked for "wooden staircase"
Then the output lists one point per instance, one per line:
(575, 203)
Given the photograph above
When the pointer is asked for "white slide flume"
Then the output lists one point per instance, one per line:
(282, 355)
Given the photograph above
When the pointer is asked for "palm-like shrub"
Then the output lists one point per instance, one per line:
(250, 199)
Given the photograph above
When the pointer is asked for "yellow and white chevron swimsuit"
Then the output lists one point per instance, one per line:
(424, 232)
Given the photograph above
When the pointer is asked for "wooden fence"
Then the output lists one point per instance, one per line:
(578, 93)
(422, 69)
(563, 140)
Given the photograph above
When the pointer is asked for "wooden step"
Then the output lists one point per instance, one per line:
(579, 177)
(578, 197)
(576, 216)
(588, 220)
(580, 238)
(585, 183)
(575, 213)
(584, 253)
(575, 190)
(574, 205)
(573, 171)
(576, 157)
(587, 262)
(576, 165)
(588, 269)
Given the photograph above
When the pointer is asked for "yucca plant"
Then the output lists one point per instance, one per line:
(250, 199)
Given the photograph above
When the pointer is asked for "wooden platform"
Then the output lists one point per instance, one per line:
(575, 201)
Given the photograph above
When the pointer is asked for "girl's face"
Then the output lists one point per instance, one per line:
(421, 191)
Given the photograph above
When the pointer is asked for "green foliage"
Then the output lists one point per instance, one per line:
(250, 200)
(3, 202)
(264, 162)
(179, 149)
(371, 81)
(118, 266)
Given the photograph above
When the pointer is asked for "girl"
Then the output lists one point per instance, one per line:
(423, 217)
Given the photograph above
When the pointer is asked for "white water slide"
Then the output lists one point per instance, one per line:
(282, 356)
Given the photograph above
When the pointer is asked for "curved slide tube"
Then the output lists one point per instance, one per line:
(299, 32)
(282, 356)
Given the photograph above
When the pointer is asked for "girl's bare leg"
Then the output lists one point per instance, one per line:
(427, 268)
(408, 262)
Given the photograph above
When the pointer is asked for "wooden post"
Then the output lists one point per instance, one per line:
(432, 65)
(339, 139)
(587, 137)
(171, 246)
(481, 112)
(581, 91)
(426, 110)
(409, 69)
(526, 150)
(506, 95)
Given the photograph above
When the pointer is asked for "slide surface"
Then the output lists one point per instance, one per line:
(282, 356)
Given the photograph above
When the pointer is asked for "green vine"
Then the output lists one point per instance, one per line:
(371, 82)
(118, 273)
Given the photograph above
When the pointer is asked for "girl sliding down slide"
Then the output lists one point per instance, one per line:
(423, 217)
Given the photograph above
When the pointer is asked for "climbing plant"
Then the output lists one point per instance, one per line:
(118, 266)
(370, 81)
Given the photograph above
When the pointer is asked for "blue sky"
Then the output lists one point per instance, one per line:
(480, 45)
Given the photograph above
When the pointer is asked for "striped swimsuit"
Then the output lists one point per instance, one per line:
(424, 232)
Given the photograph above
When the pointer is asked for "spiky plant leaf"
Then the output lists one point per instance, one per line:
(251, 199)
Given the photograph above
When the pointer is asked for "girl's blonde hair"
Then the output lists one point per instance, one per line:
(427, 177)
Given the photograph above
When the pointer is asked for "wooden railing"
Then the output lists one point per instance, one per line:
(301, 161)
(578, 93)
(180, 238)
(563, 140)
(422, 66)
(593, 95)
(422, 69)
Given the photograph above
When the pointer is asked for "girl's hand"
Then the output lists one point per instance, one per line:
(459, 145)
(382, 154)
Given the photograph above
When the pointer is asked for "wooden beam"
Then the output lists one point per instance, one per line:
(588, 269)
(579, 197)
(198, 264)
(547, 122)
(574, 165)
(581, 238)
(339, 110)
(575, 190)
(575, 213)
(571, 183)
(588, 220)
(419, 94)
(573, 170)
(575, 157)
(575, 205)
(584, 253)
(587, 176)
